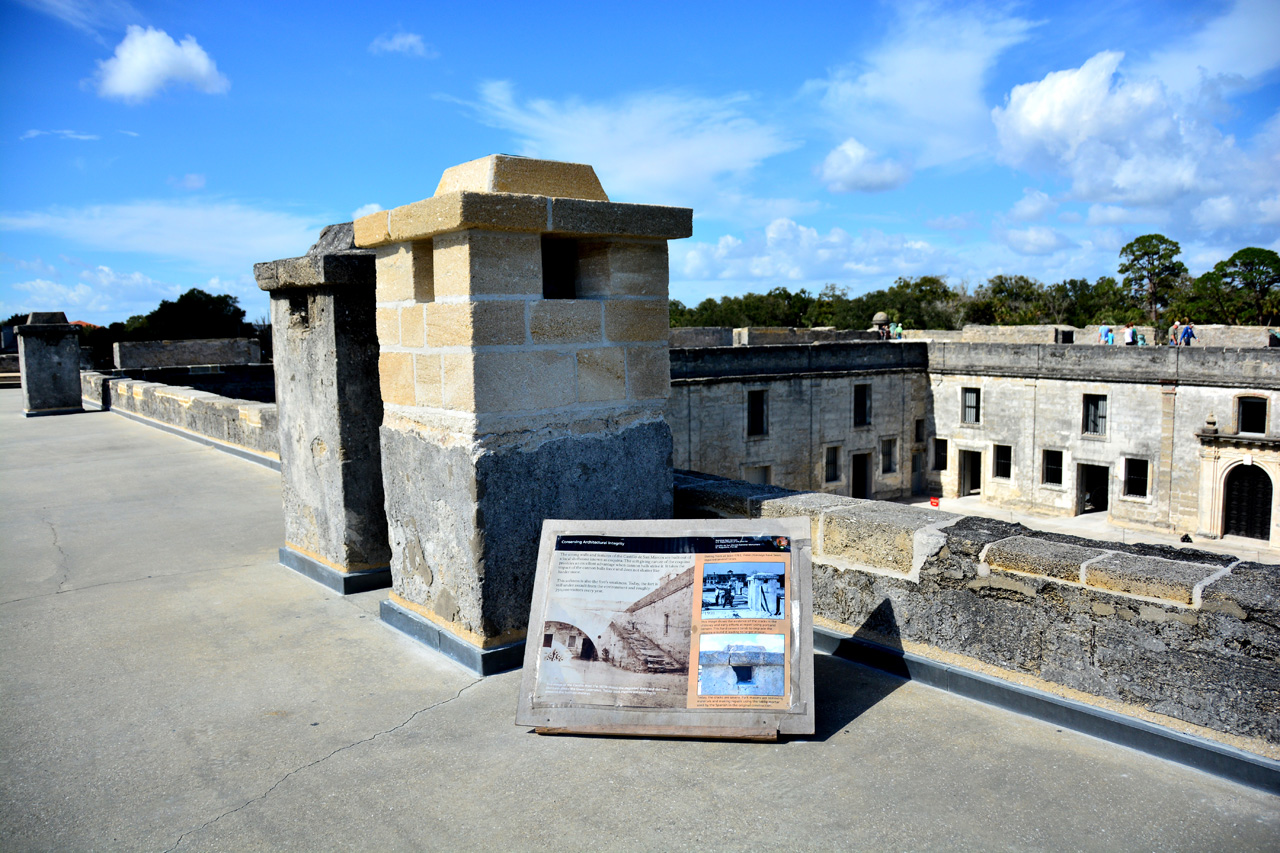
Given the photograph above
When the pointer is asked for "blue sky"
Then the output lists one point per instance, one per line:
(150, 147)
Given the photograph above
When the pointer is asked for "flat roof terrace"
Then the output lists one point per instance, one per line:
(167, 685)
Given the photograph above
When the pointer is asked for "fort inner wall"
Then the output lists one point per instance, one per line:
(1180, 637)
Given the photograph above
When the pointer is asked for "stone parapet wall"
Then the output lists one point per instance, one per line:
(755, 336)
(796, 359)
(1180, 633)
(243, 424)
(180, 353)
(702, 336)
(1179, 365)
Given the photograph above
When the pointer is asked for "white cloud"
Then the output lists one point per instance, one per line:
(852, 167)
(365, 210)
(45, 295)
(65, 134)
(795, 255)
(188, 181)
(1033, 205)
(410, 44)
(223, 235)
(148, 60)
(921, 91)
(1110, 214)
(128, 133)
(1036, 240)
(1125, 142)
(654, 147)
(1235, 49)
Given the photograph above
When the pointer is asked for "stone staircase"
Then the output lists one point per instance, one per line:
(644, 654)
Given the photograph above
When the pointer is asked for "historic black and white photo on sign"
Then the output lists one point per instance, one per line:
(746, 590)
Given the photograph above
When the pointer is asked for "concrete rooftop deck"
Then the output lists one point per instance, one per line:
(165, 684)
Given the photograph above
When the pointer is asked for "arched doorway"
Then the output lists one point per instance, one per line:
(1246, 503)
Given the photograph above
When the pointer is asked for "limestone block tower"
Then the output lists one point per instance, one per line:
(522, 321)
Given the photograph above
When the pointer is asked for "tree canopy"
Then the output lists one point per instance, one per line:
(1244, 289)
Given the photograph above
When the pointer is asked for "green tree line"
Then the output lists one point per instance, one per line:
(1153, 287)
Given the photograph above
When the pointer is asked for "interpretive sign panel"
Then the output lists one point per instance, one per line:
(689, 627)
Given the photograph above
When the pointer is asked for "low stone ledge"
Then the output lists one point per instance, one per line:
(1148, 577)
(1039, 557)
(707, 496)
(245, 425)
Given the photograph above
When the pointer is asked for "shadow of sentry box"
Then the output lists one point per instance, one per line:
(522, 318)
(685, 628)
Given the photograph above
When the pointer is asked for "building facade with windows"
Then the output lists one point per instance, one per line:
(1183, 440)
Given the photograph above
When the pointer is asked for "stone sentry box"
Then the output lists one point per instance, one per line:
(49, 365)
(523, 325)
(330, 408)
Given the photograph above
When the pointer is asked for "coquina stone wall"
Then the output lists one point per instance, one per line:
(180, 353)
(242, 424)
(1180, 633)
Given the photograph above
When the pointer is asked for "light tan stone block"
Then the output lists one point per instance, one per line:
(387, 322)
(649, 372)
(371, 230)
(395, 376)
(479, 324)
(411, 326)
(458, 372)
(623, 268)
(524, 381)
(602, 375)
(428, 389)
(554, 321)
(501, 173)
(405, 272)
(636, 320)
(488, 263)
(460, 211)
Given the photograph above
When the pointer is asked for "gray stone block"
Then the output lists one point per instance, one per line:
(465, 523)
(1039, 557)
(1147, 576)
(49, 365)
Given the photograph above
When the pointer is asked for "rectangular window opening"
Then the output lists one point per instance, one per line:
(761, 475)
(919, 429)
(939, 454)
(757, 413)
(1095, 414)
(546, 640)
(1252, 415)
(888, 455)
(833, 464)
(1051, 470)
(971, 405)
(861, 405)
(745, 674)
(559, 267)
(1135, 478)
(1002, 461)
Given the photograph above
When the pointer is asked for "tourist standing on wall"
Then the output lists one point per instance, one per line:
(1188, 332)
(1130, 335)
(1104, 334)
(1175, 332)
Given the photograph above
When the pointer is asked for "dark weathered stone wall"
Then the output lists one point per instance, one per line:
(49, 363)
(1179, 632)
(465, 521)
(180, 353)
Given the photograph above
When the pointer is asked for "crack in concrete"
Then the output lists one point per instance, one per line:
(63, 559)
(297, 770)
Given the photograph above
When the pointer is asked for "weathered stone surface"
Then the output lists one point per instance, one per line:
(465, 526)
(700, 496)
(333, 259)
(502, 173)
(49, 364)
(875, 533)
(131, 354)
(555, 321)
(330, 407)
(1147, 576)
(243, 424)
(602, 374)
(579, 217)
(648, 372)
(1040, 557)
